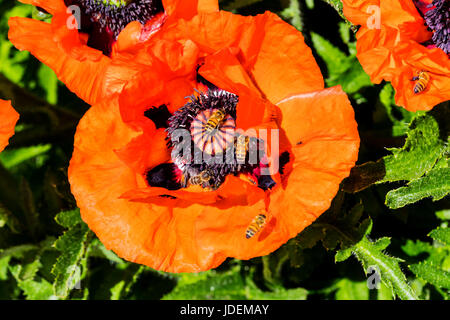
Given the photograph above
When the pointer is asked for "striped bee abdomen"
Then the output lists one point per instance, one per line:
(422, 80)
(256, 226)
(201, 178)
(241, 148)
(213, 131)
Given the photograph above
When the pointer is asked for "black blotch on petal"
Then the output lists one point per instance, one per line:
(159, 115)
(284, 159)
(266, 182)
(168, 196)
(163, 176)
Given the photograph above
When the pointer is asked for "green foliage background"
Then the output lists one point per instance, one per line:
(391, 213)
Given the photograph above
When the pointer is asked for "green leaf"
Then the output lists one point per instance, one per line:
(34, 289)
(400, 117)
(28, 273)
(371, 254)
(441, 235)
(342, 255)
(11, 158)
(224, 286)
(337, 61)
(342, 69)
(130, 276)
(17, 251)
(432, 274)
(310, 4)
(73, 244)
(49, 82)
(99, 250)
(423, 147)
(352, 290)
(309, 237)
(293, 14)
(443, 214)
(69, 218)
(436, 185)
(252, 292)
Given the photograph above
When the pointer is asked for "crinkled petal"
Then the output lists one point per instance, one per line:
(389, 47)
(325, 141)
(255, 38)
(90, 79)
(182, 9)
(161, 237)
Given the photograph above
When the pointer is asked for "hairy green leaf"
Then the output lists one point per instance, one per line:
(436, 184)
(73, 245)
(227, 286)
(441, 235)
(371, 254)
(69, 218)
(34, 289)
(432, 274)
(423, 147)
(342, 69)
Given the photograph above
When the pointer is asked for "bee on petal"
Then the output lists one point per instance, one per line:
(257, 224)
(422, 79)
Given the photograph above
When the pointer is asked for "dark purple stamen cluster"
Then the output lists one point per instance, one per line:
(182, 119)
(103, 20)
(438, 21)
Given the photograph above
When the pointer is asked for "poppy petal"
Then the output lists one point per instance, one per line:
(187, 9)
(9, 118)
(50, 6)
(255, 36)
(89, 79)
(391, 46)
(324, 123)
(158, 236)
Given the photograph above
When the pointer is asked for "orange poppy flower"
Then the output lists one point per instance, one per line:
(84, 41)
(399, 39)
(151, 205)
(8, 121)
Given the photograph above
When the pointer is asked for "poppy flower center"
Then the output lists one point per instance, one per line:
(437, 18)
(207, 147)
(103, 20)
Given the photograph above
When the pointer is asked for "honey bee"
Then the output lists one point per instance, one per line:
(203, 177)
(213, 122)
(422, 80)
(256, 226)
(241, 148)
(212, 131)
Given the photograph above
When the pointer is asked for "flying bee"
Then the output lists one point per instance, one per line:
(422, 79)
(242, 143)
(201, 178)
(214, 121)
(256, 226)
